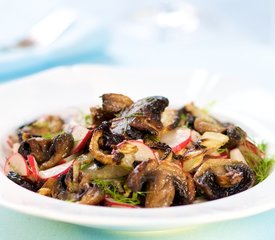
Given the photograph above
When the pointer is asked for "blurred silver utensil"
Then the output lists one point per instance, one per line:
(45, 32)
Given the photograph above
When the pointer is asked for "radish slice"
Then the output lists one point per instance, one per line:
(235, 154)
(18, 164)
(143, 153)
(112, 203)
(81, 135)
(177, 138)
(56, 171)
(15, 147)
(34, 167)
(10, 142)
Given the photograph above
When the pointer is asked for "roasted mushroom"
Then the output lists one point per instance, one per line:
(114, 103)
(38, 147)
(164, 181)
(65, 188)
(202, 121)
(218, 178)
(204, 125)
(95, 150)
(46, 125)
(142, 116)
(92, 196)
(22, 181)
(236, 136)
(59, 190)
(61, 147)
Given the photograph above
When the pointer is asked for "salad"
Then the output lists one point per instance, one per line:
(136, 155)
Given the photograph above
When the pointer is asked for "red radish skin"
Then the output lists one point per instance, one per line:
(10, 142)
(81, 136)
(112, 203)
(56, 171)
(17, 163)
(177, 139)
(181, 145)
(34, 167)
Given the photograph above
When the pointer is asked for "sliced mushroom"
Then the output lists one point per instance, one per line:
(219, 178)
(59, 191)
(65, 188)
(47, 187)
(72, 182)
(141, 174)
(114, 103)
(46, 125)
(160, 192)
(204, 125)
(164, 181)
(143, 115)
(22, 181)
(236, 136)
(98, 116)
(95, 150)
(202, 121)
(92, 196)
(61, 147)
(38, 147)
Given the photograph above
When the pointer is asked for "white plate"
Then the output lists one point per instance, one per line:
(82, 85)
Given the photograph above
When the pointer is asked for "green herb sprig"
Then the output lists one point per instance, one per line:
(261, 165)
(209, 106)
(51, 135)
(110, 188)
(264, 167)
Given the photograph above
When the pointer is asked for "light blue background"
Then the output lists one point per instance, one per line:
(18, 226)
(234, 38)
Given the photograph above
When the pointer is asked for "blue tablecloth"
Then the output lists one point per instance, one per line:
(19, 226)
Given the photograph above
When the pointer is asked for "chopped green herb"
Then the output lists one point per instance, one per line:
(40, 124)
(209, 105)
(84, 166)
(222, 150)
(51, 135)
(112, 189)
(263, 147)
(48, 136)
(260, 165)
(183, 117)
(117, 115)
(151, 138)
(263, 169)
(187, 125)
(88, 119)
